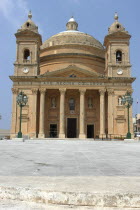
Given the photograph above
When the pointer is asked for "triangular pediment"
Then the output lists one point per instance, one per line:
(72, 71)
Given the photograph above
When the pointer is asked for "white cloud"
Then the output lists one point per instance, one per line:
(6, 7)
(12, 9)
(15, 11)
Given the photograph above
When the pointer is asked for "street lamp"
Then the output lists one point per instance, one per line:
(127, 100)
(22, 100)
(136, 129)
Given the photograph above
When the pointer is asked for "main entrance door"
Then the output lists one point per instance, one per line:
(71, 128)
(90, 131)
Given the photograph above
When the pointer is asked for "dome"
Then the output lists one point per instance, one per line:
(72, 36)
(29, 24)
(116, 26)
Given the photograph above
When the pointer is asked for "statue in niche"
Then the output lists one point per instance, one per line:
(120, 101)
(53, 102)
(90, 104)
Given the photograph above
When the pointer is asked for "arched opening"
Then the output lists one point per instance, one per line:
(28, 24)
(118, 26)
(26, 55)
(118, 56)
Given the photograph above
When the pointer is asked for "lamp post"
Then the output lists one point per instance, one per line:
(127, 100)
(136, 129)
(22, 100)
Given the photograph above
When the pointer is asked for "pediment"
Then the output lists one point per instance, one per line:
(72, 71)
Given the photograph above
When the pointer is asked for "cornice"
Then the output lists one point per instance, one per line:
(77, 79)
(25, 64)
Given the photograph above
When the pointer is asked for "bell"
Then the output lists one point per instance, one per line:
(118, 55)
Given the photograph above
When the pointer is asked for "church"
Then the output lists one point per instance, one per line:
(74, 84)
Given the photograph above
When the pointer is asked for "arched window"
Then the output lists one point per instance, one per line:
(72, 104)
(118, 56)
(26, 54)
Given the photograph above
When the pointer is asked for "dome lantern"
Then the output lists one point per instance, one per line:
(72, 25)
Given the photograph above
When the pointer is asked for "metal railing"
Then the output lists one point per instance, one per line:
(111, 137)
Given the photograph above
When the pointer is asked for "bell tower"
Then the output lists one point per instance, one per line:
(27, 53)
(117, 51)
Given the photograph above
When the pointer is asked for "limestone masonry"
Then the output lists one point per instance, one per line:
(74, 84)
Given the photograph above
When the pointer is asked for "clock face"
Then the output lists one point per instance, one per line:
(25, 70)
(120, 71)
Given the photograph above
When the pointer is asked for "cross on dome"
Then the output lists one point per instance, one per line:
(30, 14)
(116, 17)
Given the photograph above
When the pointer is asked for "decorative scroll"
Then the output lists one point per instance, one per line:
(110, 92)
(34, 91)
(14, 90)
(82, 91)
(42, 90)
(102, 91)
(62, 90)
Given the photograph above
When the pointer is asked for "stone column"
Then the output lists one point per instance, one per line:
(110, 112)
(14, 114)
(130, 116)
(34, 112)
(82, 114)
(102, 113)
(62, 113)
(42, 107)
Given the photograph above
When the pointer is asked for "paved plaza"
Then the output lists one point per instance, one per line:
(69, 158)
(69, 174)
(21, 205)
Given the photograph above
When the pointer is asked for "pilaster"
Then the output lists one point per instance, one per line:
(102, 113)
(110, 112)
(34, 112)
(14, 113)
(42, 107)
(82, 114)
(62, 113)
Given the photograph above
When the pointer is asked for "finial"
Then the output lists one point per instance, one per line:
(116, 16)
(30, 14)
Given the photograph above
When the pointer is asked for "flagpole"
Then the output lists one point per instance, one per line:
(137, 116)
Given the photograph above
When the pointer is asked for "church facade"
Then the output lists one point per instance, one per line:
(74, 84)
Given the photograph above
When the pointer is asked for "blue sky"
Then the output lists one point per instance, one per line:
(93, 16)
